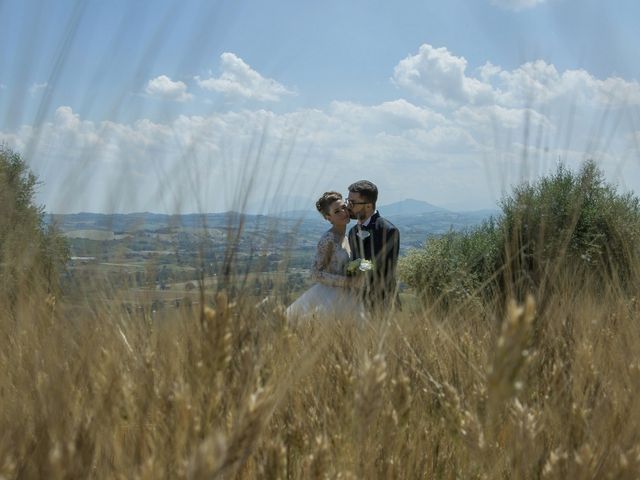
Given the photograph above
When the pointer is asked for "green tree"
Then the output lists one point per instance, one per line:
(568, 219)
(32, 253)
(564, 222)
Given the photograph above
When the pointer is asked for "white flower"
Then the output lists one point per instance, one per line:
(358, 265)
(365, 266)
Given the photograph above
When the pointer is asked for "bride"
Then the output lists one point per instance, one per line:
(334, 294)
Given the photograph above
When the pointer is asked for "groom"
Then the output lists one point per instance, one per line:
(377, 239)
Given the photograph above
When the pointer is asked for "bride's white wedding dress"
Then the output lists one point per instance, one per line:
(331, 295)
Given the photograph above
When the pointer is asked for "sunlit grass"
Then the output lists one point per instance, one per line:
(233, 391)
(221, 386)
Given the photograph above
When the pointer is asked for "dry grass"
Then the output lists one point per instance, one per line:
(231, 391)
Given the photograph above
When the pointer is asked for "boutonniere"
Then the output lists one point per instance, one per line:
(362, 234)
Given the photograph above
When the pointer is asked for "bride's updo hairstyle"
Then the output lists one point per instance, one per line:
(325, 201)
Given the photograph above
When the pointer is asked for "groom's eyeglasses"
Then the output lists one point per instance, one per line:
(350, 202)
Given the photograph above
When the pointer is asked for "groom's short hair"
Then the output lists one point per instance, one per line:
(366, 189)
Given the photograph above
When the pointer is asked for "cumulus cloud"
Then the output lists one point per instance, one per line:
(441, 79)
(482, 120)
(65, 117)
(239, 80)
(456, 127)
(165, 88)
(517, 4)
(397, 115)
(152, 159)
(541, 83)
(439, 76)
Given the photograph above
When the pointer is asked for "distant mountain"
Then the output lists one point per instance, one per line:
(410, 214)
(416, 221)
(409, 207)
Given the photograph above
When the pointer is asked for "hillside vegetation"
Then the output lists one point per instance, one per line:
(564, 222)
(32, 254)
(543, 387)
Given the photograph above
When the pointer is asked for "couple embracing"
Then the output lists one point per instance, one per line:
(354, 273)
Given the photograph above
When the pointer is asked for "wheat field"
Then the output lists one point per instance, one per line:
(232, 390)
(546, 386)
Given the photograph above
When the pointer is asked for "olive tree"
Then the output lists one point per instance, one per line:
(32, 253)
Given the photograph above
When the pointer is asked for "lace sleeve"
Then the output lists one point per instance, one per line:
(321, 264)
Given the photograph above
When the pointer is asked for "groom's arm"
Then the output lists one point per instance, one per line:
(389, 251)
(393, 242)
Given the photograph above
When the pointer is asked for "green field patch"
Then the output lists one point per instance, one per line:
(95, 235)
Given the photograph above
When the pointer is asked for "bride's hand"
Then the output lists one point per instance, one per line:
(356, 282)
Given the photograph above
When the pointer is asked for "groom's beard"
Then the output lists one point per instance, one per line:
(355, 216)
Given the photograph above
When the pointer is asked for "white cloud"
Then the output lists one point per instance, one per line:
(517, 4)
(440, 78)
(164, 87)
(65, 117)
(486, 119)
(540, 83)
(239, 80)
(209, 158)
(394, 116)
(36, 88)
(466, 135)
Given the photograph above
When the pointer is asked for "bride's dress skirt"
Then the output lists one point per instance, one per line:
(326, 301)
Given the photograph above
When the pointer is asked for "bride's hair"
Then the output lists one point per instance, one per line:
(325, 201)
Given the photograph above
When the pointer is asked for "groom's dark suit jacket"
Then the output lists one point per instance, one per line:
(382, 247)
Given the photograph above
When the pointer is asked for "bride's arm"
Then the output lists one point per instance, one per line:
(321, 262)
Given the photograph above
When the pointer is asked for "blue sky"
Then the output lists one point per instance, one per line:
(201, 106)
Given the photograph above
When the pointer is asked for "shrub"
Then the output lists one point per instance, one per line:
(563, 221)
(454, 266)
